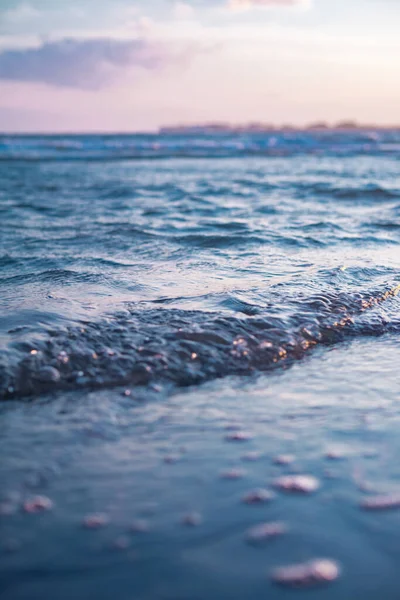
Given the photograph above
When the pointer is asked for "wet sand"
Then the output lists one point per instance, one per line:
(137, 507)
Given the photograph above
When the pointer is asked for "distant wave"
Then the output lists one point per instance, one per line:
(140, 147)
(367, 192)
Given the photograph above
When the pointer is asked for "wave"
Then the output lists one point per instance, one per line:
(367, 192)
(53, 276)
(206, 145)
(178, 348)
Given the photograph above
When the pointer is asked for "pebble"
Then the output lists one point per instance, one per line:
(95, 521)
(334, 455)
(63, 357)
(313, 573)
(156, 388)
(382, 502)
(238, 436)
(260, 496)
(284, 459)
(265, 345)
(37, 504)
(265, 532)
(303, 484)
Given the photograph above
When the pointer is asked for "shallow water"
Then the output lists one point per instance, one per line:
(151, 309)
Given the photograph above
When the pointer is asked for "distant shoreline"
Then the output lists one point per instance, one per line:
(222, 129)
(255, 128)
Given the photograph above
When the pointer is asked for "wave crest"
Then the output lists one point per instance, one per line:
(181, 348)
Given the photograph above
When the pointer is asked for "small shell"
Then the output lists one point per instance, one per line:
(260, 496)
(391, 501)
(38, 504)
(302, 484)
(265, 532)
(95, 521)
(284, 459)
(334, 454)
(315, 572)
(238, 436)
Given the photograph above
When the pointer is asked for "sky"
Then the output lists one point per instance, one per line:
(136, 65)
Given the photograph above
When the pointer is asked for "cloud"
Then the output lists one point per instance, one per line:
(21, 12)
(87, 63)
(183, 11)
(240, 5)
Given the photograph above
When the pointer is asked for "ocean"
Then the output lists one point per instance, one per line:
(199, 334)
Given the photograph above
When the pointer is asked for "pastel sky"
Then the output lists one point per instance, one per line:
(125, 65)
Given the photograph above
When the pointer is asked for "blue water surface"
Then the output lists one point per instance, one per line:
(159, 294)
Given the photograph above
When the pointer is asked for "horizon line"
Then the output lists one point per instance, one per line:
(219, 127)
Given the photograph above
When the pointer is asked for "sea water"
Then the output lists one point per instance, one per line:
(185, 320)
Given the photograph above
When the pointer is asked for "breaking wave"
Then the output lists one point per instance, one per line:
(182, 347)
